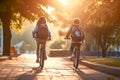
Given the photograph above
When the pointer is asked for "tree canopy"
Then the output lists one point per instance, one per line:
(11, 9)
(102, 21)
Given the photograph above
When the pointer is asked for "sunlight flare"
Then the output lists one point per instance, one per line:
(48, 9)
(63, 2)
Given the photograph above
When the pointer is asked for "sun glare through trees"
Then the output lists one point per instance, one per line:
(99, 17)
(63, 2)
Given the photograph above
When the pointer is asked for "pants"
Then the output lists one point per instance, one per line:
(73, 46)
(42, 46)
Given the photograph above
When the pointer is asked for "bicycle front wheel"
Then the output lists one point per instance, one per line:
(76, 60)
(41, 63)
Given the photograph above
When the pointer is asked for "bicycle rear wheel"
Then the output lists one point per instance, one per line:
(41, 61)
(76, 60)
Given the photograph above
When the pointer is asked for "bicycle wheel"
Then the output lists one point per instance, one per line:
(41, 62)
(76, 60)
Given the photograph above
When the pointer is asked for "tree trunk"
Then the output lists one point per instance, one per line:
(102, 43)
(103, 49)
(103, 53)
(6, 34)
(104, 46)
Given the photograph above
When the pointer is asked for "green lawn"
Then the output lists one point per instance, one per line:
(106, 61)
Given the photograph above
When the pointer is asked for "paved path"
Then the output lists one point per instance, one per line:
(25, 68)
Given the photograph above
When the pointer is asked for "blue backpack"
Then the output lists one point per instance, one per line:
(77, 34)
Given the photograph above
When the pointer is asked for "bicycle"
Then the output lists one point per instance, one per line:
(76, 52)
(41, 55)
(77, 55)
(41, 58)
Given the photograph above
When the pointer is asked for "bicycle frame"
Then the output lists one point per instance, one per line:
(41, 54)
(77, 55)
(41, 57)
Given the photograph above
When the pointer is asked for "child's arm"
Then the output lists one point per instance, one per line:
(49, 34)
(68, 32)
(34, 31)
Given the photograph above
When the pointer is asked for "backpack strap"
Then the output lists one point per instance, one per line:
(76, 28)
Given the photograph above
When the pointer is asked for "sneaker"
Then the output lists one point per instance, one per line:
(45, 57)
(37, 60)
(72, 57)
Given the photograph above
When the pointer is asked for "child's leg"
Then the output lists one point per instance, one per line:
(37, 52)
(43, 47)
(71, 49)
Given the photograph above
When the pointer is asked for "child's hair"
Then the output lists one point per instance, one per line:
(77, 21)
(41, 20)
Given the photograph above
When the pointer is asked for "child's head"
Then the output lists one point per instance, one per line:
(77, 21)
(41, 20)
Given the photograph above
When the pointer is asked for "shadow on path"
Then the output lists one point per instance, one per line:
(30, 75)
(82, 75)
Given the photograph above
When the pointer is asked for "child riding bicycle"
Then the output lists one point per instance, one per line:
(41, 33)
(77, 35)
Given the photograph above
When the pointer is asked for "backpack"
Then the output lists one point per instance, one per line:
(42, 32)
(77, 34)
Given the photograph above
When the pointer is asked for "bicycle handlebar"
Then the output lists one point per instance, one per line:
(49, 39)
(66, 38)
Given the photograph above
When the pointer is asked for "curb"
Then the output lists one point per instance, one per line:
(103, 68)
(59, 53)
(2, 58)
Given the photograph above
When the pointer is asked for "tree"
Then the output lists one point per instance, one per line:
(30, 10)
(102, 21)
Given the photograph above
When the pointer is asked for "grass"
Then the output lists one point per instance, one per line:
(106, 61)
